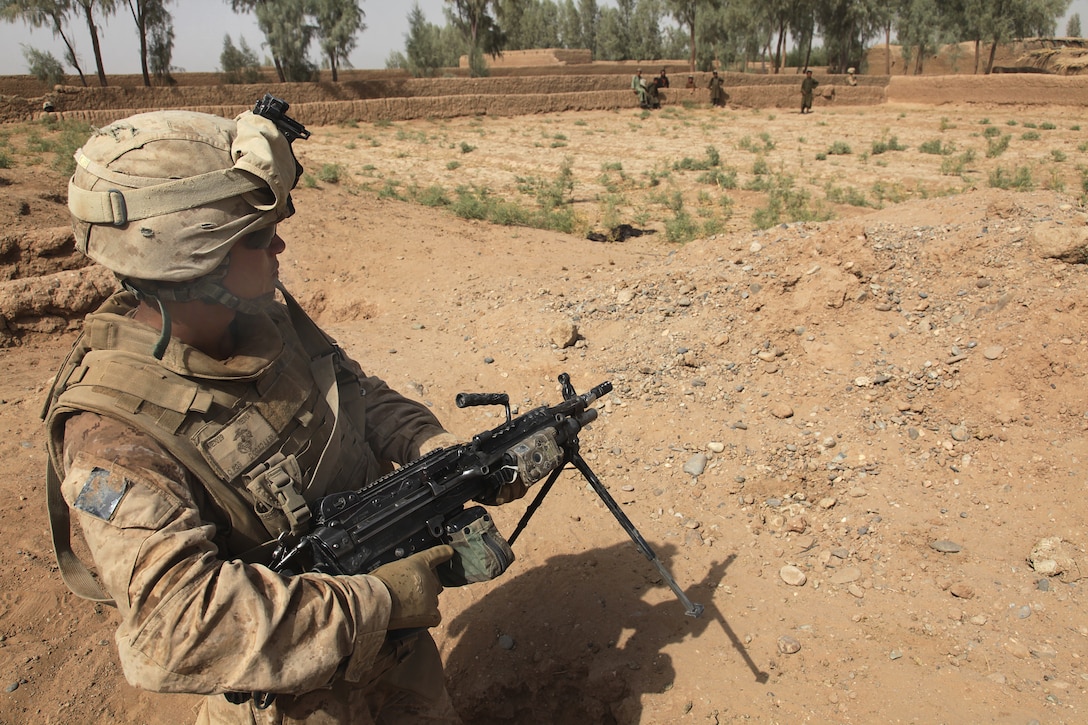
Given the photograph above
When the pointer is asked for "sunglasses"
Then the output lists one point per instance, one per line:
(260, 239)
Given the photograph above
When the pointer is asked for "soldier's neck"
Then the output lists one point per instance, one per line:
(207, 327)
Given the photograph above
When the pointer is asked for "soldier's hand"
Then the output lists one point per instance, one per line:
(414, 588)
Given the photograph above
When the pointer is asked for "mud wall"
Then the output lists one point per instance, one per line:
(399, 98)
(405, 98)
(1007, 88)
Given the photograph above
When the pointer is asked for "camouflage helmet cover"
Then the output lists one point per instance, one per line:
(164, 196)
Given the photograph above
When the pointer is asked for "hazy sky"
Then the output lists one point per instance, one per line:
(199, 27)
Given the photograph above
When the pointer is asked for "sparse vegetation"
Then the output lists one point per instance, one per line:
(996, 147)
(1020, 180)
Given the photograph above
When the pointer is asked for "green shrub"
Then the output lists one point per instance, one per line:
(786, 204)
(719, 178)
(846, 195)
(996, 147)
(1057, 155)
(467, 148)
(840, 148)
(1021, 180)
(6, 162)
(1047, 126)
(956, 165)
(433, 195)
(329, 173)
(681, 228)
(891, 144)
(935, 146)
(1030, 136)
(992, 132)
(453, 165)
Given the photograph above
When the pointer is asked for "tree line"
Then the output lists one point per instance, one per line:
(710, 33)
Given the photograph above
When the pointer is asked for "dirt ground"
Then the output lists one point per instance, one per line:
(858, 440)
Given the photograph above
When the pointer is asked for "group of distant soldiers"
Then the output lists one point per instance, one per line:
(649, 95)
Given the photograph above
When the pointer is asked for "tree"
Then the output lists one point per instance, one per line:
(43, 13)
(483, 35)
(160, 44)
(685, 13)
(151, 16)
(846, 26)
(647, 41)
(920, 22)
(288, 34)
(428, 47)
(338, 22)
(43, 65)
(239, 64)
(1072, 28)
(106, 8)
(1003, 20)
(614, 36)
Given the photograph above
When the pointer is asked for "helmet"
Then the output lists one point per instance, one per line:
(163, 196)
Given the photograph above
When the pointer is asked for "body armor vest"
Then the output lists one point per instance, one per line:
(262, 443)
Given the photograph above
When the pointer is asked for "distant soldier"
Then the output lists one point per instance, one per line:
(717, 92)
(850, 77)
(662, 80)
(639, 87)
(691, 83)
(808, 85)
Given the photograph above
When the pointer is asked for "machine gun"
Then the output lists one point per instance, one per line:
(423, 504)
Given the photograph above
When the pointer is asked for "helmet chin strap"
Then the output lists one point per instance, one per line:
(208, 288)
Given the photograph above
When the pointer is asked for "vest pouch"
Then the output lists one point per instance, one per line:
(480, 553)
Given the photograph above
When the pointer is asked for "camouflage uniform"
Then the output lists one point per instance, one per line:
(181, 467)
(195, 617)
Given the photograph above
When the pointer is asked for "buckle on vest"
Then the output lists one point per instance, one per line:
(276, 484)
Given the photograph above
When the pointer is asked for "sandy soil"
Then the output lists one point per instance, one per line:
(889, 405)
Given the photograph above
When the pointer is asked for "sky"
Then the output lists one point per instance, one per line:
(199, 27)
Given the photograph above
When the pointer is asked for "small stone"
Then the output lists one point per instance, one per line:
(12, 687)
(787, 645)
(782, 411)
(978, 620)
(792, 576)
(488, 360)
(826, 503)
(959, 433)
(1017, 649)
(506, 641)
(993, 352)
(855, 590)
(962, 591)
(563, 334)
(895, 654)
(715, 447)
(696, 465)
(846, 576)
(945, 547)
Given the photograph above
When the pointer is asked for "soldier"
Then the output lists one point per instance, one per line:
(662, 80)
(639, 87)
(808, 85)
(851, 78)
(198, 418)
(717, 92)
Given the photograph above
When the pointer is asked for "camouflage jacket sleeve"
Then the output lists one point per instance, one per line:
(191, 621)
(398, 429)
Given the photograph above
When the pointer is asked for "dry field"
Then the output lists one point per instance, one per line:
(856, 434)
